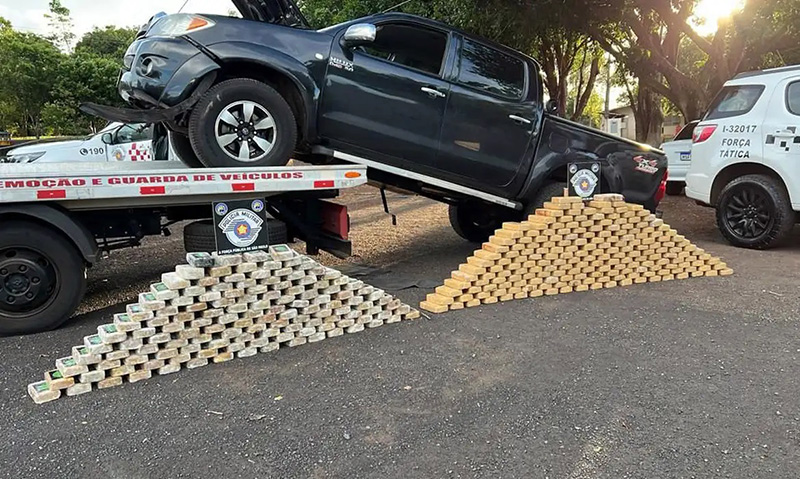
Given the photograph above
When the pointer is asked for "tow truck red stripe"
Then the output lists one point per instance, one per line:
(324, 184)
(51, 194)
(244, 187)
(153, 190)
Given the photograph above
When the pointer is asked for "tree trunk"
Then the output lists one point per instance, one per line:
(649, 117)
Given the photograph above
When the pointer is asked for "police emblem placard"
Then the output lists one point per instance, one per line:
(584, 179)
(240, 226)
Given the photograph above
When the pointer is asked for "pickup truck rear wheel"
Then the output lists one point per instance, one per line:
(754, 212)
(42, 278)
(473, 222)
(546, 193)
(243, 122)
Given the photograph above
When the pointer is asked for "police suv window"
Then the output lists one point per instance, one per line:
(793, 98)
(734, 101)
(487, 69)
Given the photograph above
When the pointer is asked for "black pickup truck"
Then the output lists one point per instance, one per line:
(428, 108)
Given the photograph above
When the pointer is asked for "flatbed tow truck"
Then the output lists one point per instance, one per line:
(56, 221)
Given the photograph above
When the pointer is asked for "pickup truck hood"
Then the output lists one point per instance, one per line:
(281, 12)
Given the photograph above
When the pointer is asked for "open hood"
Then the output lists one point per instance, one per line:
(281, 12)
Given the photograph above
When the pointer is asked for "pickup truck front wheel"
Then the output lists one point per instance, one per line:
(243, 122)
(754, 212)
(42, 278)
(473, 222)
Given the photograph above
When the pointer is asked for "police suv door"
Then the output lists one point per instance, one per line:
(782, 131)
(132, 142)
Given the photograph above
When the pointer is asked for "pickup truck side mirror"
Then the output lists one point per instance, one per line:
(107, 138)
(359, 34)
(551, 107)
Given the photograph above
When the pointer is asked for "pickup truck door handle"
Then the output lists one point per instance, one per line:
(433, 92)
(520, 120)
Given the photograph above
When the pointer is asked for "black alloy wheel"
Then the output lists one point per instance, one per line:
(748, 212)
(754, 211)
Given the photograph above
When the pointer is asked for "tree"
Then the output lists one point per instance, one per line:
(60, 24)
(28, 66)
(109, 42)
(649, 36)
(81, 77)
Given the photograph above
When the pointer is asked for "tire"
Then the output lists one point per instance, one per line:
(183, 148)
(198, 237)
(473, 222)
(218, 119)
(545, 194)
(37, 261)
(754, 212)
(675, 188)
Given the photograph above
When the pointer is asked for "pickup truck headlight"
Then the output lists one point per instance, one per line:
(178, 24)
(25, 157)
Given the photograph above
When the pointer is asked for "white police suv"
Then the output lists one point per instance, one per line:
(746, 157)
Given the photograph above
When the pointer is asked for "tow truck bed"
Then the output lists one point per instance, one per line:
(84, 186)
(55, 219)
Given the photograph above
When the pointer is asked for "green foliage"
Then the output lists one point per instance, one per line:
(81, 77)
(41, 88)
(109, 42)
(592, 114)
(28, 65)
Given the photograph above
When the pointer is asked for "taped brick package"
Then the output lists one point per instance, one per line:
(215, 309)
(571, 246)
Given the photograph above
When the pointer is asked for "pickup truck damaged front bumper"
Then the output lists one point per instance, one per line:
(155, 115)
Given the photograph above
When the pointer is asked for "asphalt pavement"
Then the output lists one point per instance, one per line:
(695, 378)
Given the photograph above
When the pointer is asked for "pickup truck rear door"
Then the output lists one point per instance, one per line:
(490, 120)
(387, 100)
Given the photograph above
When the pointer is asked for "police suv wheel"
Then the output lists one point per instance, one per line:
(754, 212)
(42, 278)
(243, 122)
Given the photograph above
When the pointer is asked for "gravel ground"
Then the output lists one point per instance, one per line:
(694, 378)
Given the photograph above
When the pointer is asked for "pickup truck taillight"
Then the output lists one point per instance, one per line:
(662, 188)
(703, 133)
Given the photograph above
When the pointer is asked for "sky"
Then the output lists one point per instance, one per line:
(28, 15)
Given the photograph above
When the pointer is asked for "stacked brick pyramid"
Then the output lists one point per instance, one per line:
(217, 308)
(570, 246)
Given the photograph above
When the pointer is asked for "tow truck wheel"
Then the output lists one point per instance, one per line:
(42, 278)
(754, 212)
(473, 222)
(199, 237)
(243, 122)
